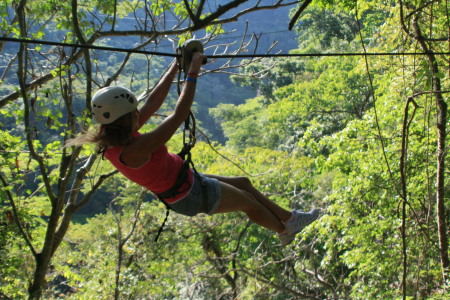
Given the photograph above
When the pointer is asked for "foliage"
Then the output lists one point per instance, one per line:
(321, 28)
(327, 94)
(356, 136)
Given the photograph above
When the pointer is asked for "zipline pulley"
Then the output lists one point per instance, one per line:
(187, 51)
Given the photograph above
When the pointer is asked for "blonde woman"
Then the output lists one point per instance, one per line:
(144, 158)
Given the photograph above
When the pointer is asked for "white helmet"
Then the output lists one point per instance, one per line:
(112, 102)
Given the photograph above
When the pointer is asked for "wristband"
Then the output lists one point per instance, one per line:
(193, 75)
(191, 79)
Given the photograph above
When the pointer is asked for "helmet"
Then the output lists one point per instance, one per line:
(112, 102)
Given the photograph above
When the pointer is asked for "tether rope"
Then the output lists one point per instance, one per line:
(115, 49)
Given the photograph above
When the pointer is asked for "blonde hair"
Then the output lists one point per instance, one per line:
(118, 133)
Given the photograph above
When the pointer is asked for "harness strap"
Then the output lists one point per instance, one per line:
(164, 222)
(181, 179)
(172, 192)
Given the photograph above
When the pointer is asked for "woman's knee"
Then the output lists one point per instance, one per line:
(240, 182)
(243, 183)
(249, 204)
(234, 198)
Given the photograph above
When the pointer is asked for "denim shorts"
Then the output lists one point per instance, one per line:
(193, 203)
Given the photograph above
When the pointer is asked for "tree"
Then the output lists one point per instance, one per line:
(316, 100)
(378, 173)
(415, 25)
(422, 25)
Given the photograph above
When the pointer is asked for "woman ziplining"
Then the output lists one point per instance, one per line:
(144, 158)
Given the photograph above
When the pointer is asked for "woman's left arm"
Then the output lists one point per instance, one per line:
(157, 95)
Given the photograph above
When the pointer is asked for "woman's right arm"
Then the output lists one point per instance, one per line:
(158, 95)
(140, 150)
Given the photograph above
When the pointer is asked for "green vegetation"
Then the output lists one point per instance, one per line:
(364, 138)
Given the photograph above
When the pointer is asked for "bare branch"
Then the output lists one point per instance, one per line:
(11, 61)
(22, 60)
(413, 14)
(254, 8)
(152, 35)
(16, 215)
(121, 241)
(321, 280)
(193, 17)
(260, 277)
(200, 9)
(297, 13)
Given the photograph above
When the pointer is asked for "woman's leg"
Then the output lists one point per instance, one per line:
(234, 200)
(245, 185)
(238, 194)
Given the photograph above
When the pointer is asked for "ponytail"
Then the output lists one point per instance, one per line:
(118, 133)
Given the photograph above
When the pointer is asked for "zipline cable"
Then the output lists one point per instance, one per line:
(93, 47)
(115, 49)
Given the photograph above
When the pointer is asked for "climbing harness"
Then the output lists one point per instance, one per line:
(185, 54)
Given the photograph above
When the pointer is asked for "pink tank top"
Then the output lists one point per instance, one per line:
(158, 174)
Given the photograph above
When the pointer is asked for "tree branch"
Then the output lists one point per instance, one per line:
(297, 13)
(16, 216)
(209, 20)
(8, 66)
(282, 287)
(193, 17)
(72, 204)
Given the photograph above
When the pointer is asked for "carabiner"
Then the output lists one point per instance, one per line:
(189, 138)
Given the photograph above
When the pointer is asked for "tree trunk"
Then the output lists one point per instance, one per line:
(38, 283)
(440, 180)
(441, 124)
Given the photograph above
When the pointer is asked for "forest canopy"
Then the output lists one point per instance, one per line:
(323, 123)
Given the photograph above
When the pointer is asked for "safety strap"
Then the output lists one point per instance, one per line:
(164, 222)
(185, 153)
(172, 192)
(182, 177)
